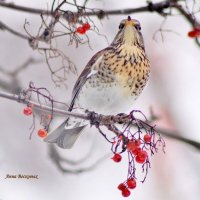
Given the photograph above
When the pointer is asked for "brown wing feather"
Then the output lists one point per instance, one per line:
(83, 76)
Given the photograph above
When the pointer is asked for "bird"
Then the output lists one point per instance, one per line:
(109, 84)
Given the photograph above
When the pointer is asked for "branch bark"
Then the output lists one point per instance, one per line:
(23, 8)
(23, 100)
(48, 12)
(5, 27)
(114, 119)
(158, 7)
(151, 7)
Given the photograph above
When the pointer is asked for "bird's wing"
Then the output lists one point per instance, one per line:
(86, 74)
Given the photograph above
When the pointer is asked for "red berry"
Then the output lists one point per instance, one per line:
(86, 26)
(141, 157)
(42, 133)
(121, 186)
(143, 154)
(81, 30)
(139, 160)
(28, 111)
(131, 146)
(126, 192)
(131, 183)
(137, 143)
(136, 150)
(194, 33)
(117, 157)
(147, 138)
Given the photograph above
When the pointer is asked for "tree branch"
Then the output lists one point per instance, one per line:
(159, 8)
(188, 16)
(151, 7)
(176, 136)
(24, 9)
(105, 120)
(48, 12)
(38, 106)
(5, 27)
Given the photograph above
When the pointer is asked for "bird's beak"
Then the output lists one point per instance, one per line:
(129, 23)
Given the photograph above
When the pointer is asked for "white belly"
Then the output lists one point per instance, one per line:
(107, 100)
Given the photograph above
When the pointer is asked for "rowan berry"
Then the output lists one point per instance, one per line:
(126, 192)
(136, 150)
(137, 143)
(42, 133)
(141, 157)
(147, 138)
(117, 157)
(130, 146)
(81, 30)
(194, 33)
(86, 26)
(131, 183)
(27, 111)
(121, 186)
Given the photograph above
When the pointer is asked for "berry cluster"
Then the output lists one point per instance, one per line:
(83, 29)
(28, 111)
(124, 187)
(140, 156)
(139, 145)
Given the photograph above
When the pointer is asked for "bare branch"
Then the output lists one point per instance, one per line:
(5, 27)
(23, 8)
(151, 7)
(20, 68)
(159, 7)
(104, 120)
(177, 136)
(13, 83)
(188, 16)
(38, 106)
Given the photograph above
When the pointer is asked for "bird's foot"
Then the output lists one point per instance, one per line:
(95, 118)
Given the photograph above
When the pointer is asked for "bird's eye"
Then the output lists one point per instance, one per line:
(138, 27)
(121, 26)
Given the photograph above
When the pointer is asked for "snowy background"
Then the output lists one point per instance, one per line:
(173, 92)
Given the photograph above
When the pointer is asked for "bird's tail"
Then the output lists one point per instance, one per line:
(66, 134)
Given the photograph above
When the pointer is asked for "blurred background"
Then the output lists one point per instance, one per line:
(172, 93)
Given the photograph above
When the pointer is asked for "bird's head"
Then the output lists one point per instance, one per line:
(129, 33)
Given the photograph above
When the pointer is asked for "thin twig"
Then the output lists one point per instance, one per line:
(176, 136)
(188, 16)
(20, 68)
(5, 27)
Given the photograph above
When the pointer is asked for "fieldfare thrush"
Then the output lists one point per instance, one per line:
(110, 82)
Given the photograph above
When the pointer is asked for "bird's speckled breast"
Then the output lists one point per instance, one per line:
(130, 68)
(119, 79)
